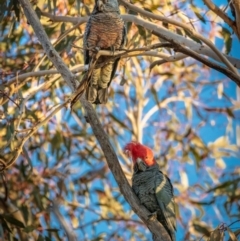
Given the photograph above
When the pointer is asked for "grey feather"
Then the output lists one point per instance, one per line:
(104, 30)
(155, 192)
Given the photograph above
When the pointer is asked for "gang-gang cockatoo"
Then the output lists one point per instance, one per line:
(105, 30)
(152, 187)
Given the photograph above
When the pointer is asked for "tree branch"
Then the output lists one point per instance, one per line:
(209, 63)
(193, 54)
(187, 42)
(68, 229)
(195, 34)
(154, 226)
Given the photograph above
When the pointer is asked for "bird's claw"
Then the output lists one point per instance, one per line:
(113, 50)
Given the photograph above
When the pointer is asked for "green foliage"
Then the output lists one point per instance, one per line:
(227, 39)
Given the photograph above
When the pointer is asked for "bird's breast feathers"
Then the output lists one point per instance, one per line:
(106, 31)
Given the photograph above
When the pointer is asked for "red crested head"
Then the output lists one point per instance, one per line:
(136, 150)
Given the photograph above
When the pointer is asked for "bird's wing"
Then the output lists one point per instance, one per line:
(165, 198)
(115, 64)
(86, 55)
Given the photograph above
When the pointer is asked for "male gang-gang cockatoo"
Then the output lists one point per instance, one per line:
(152, 187)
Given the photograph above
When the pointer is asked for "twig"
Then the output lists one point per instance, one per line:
(6, 95)
(30, 93)
(110, 219)
(74, 20)
(75, 69)
(68, 229)
(233, 223)
(5, 187)
(25, 77)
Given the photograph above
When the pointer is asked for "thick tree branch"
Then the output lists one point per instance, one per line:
(193, 54)
(168, 35)
(195, 34)
(154, 226)
(209, 63)
(181, 39)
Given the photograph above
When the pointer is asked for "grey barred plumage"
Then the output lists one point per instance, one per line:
(155, 192)
(105, 31)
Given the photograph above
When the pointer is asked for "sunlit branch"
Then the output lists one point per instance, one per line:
(85, 207)
(24, 78)
(180, 48)
(227, 72)
(168, 35)
(140, 103)
(52, 54)
(131, 18)
(115, 54)
(168, 58)
(184, 26)
(75, 69)
(162, 105)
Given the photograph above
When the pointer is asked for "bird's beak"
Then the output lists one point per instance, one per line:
(141, 165)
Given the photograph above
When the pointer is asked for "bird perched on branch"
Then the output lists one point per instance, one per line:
(153, 188)
(104, 31)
